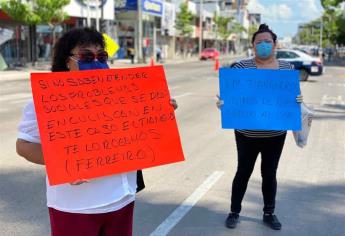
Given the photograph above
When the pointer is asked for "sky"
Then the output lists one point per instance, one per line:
(283, 16)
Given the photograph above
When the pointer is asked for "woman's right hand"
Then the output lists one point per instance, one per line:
(79, 182)
(219, 102)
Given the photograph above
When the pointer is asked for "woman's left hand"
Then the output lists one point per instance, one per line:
(173, 103)
(299, 98)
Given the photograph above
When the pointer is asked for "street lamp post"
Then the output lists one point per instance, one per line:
(321, 29)
(88, 22)
(200, 27)
(140, 32)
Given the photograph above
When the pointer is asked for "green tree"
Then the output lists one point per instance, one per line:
(184, 24)
(223, 26)
(226, 26)
(252, 29)
(184, 20)
(334, 21)
(36, 11)
(237, 27)
(330, 3)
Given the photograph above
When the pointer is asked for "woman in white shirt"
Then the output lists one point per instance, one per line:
(101, 206)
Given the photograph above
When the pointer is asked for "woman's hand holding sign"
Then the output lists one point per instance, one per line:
(80, 181)
(299, 98)
(219, 102)
(173, 103)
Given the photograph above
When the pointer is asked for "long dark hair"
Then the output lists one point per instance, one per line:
(71, 39)
(263, 28)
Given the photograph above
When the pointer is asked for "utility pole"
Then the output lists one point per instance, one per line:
(321, 29)
(103, 24)
(154, 48)
(200, 27)
(97, 6)
(140, 32)
(88, 22)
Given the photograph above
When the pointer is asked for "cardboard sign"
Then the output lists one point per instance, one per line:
(260, 99)
(103, 122)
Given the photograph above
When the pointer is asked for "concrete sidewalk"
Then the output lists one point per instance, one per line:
(24, 72)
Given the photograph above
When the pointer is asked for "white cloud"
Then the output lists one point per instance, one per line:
(286, 10)
(308, 9)
(273, 12)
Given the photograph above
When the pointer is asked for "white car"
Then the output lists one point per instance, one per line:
(306, 64)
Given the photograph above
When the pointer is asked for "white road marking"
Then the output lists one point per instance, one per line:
(15, 96)
(174, 87)
(165, 227)
(182, 95)
(4, 110)
(24, 100)
(333, 100)
(336, 84)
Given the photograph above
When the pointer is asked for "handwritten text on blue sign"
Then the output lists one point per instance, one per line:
(260, 99)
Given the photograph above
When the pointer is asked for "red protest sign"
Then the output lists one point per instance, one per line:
(104, 122)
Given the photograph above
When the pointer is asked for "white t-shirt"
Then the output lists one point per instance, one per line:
(100, 195)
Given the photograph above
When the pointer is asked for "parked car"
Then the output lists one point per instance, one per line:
(209, 53)
(306, 64)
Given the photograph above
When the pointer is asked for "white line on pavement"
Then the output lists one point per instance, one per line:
(24, 100)
(182, 95)
(4, 110)
(323, 99)
(332, 100)
(170, 222)
(14, 96)
(336, 84)
(174, 87)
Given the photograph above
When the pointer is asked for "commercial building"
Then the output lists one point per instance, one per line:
(154, 31)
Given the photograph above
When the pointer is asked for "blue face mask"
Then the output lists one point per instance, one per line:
(92, 65)
(264, 49)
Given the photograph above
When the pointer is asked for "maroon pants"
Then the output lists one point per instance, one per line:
(116, 223)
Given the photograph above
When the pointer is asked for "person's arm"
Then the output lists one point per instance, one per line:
(30, 151)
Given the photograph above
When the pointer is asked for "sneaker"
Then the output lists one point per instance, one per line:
(232, 220)
(272, 221)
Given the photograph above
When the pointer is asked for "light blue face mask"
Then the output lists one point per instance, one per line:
(264, 49)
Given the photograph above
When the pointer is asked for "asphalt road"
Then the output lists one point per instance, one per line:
(192, 197)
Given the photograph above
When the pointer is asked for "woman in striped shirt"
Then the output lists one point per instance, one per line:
(252, 142)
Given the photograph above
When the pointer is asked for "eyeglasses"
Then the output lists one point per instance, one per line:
(89, 56)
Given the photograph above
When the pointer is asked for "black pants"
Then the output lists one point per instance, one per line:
(248, 150)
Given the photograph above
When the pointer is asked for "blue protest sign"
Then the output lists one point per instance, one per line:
(260, 99)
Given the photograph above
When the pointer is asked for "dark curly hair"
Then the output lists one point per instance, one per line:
(71, 39)
(263, 28)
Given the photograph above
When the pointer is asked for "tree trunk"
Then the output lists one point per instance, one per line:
(33, 46)
(184, 47)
